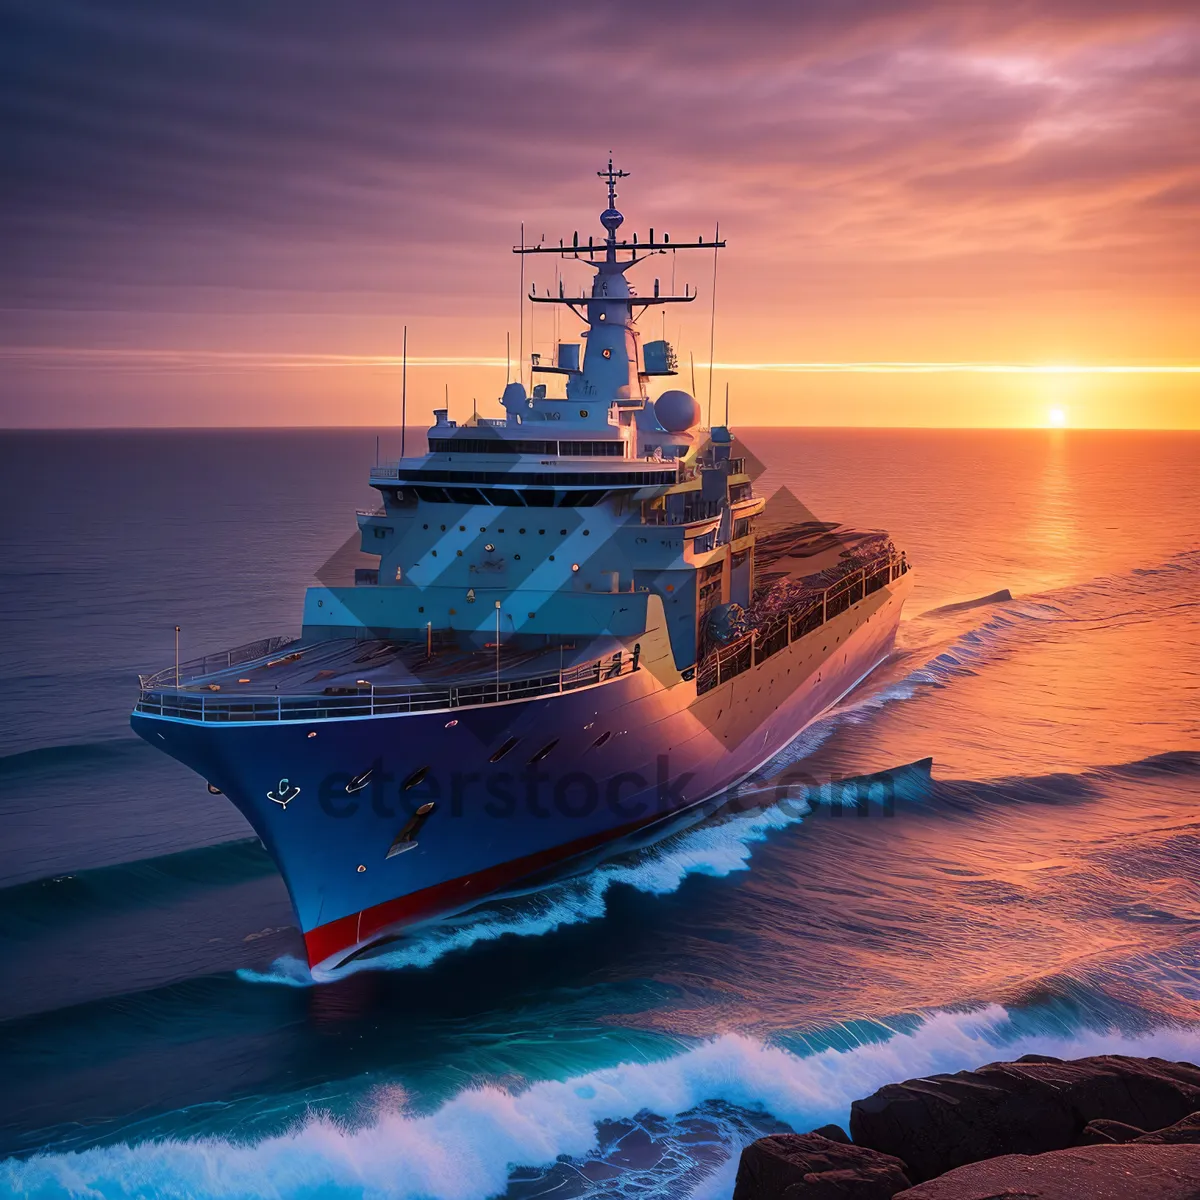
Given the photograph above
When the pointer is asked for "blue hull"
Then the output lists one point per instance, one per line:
(329, 798)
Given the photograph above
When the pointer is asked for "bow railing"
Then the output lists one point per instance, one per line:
(197, 668)
(373, 700)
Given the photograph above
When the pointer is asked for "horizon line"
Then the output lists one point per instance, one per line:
(172, 360)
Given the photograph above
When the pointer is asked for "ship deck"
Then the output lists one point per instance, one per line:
(318, 666)
(277, 680)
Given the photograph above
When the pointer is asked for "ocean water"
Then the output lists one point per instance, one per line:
(1033, 886)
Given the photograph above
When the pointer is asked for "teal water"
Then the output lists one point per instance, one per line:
(623, 1033)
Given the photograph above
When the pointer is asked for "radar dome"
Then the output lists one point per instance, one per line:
(513, 398)
(677, 411)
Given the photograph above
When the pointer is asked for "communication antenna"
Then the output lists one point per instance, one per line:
(712, 327)
(507, 359)
(521, 336)
(403, 392)
(692, 360)
(727, 404)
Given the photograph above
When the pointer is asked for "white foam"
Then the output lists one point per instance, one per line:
(466, 1148)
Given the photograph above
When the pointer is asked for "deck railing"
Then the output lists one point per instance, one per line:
(373, 700)
(759, 644)
(197, 668)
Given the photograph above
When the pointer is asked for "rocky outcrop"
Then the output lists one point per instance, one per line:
(794, 1166)
(1108, 1133)
(1129, 1172)
(1185, 1132)
(1031, 1106)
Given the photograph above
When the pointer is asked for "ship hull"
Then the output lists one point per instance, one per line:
(331, 798)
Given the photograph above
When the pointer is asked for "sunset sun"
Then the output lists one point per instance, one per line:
(1056, 418)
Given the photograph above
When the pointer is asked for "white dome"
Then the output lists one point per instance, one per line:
(677, 411)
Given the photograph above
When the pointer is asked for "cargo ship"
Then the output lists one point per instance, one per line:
(583, 623)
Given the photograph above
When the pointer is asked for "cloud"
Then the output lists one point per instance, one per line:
(269, 158)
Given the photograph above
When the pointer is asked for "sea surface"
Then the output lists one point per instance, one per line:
(624, 1033)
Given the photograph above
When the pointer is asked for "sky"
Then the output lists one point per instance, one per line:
(965, 214)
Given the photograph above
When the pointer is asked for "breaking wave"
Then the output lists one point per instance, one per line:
(716, 849)
(470, 1146)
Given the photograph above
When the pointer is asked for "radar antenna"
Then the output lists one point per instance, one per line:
(612, 177)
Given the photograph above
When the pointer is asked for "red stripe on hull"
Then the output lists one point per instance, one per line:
(358, 930)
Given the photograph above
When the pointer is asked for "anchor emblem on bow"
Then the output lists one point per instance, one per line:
(285, 792)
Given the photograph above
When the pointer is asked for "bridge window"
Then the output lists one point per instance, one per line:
(465, 495)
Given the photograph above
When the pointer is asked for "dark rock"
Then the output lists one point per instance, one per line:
(1129, 1172)
(807, 1166)
(835, 1133)
(1026, 1107)
(1107, 1133)
(1185, 1132)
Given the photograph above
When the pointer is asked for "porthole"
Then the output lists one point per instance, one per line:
(416, 777)
(443, 528)
(462, 529)
(517, 557)
(601, 739)
(583, 412)
(520, 531)
(489, 547)
(508, 745)
(537, 758)
(574, 566)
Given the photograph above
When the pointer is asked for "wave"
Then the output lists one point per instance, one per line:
(716, 848)
(1063, 787)
(111, 752)
(963, 605)
(469, 1146)
(28, 908)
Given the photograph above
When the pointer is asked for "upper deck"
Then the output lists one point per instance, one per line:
(293, 680)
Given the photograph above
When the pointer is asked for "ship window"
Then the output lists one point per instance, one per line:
(508, 745)
(500, 496)
(537, 758)
(431, 495)
(602, 739)
(464, 495)
(538, 498)
(415, 778)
